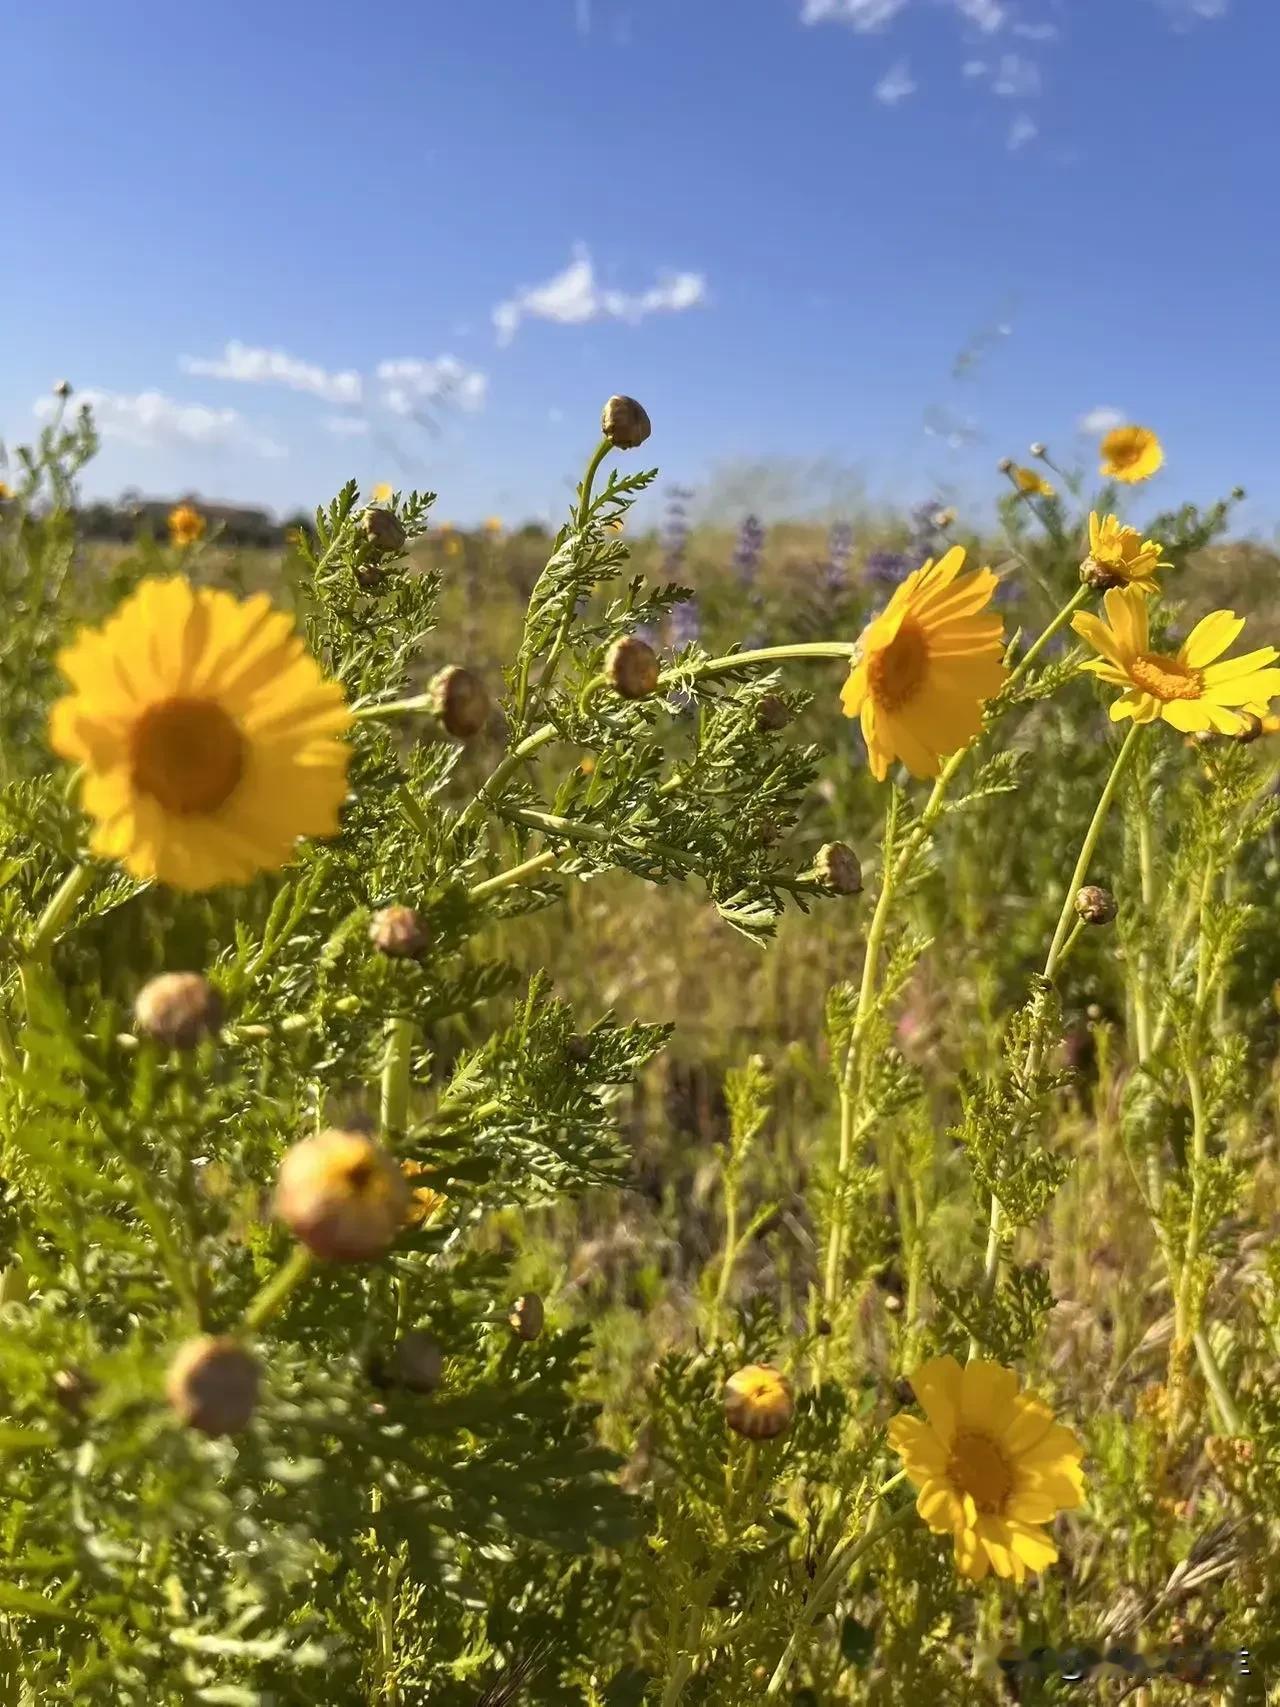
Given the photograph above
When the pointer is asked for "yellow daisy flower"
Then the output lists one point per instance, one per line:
(6, 491)
(1031, 484)
(453, 546)
(758, 1402)
(990, 1464)
(425, 1202)
(1187, 690)
(493, 525)
(1119, 556)
(209, 738)
(1131, 454)
(381, 493)
(186, 525)
(926, 666)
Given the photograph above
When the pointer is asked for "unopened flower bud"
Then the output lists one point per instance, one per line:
(1038, 449)
(62, 388)
(837, 869)
(460, 700)
(398, 932)
(342, 1195)
(212, 1385)
(417, 1362)
(527, 1316)
(1095, 905)
(383, 529)
(1238, 492)
(624, 423)
(1253, 727)
(1005, 464)
(758, 1402)
(633, 667)
(772, 713)
(1098, 576)
(178, 1008)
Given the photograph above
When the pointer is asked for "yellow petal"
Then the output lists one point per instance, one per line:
(1210, 638)
(940, 1506)
(936, 1385)
(986, 1392)
(922, 1452)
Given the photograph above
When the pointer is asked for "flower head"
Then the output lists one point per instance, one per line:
(212, 1384)
(926, 666)
(6, 491)
(180, 1009)
(991, 1466)
(425, 1202)
(493, 525)
(381, 493)
(186, 525)
(1131, 454)
(758, 1402)
(1119, 556)
(1187, 689)
(1031, 484)
(342, 1195)
(209, 738)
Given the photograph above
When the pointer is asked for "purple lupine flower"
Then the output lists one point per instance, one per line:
(834, 575)
(675, 531)
(887, 568)
(684, 625)
(746, 553)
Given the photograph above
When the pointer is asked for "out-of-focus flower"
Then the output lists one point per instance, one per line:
(1031, 484)
(1119, 556)
(748, 549)
(209, 737)
(382, 493)
(493, 525)
(886, 568)
(186, 525)
(1131, 454)
(758, 1402)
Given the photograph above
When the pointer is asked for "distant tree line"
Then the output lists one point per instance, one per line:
(236, 524)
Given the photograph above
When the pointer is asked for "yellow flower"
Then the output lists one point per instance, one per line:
(1119, 555)
(381, 493)
(6, 491)
(453, 546)
(1032, 484)
(1131, 454)
(758, 1402)
(209, 738)
(991, 1466)
(493, 525)
(926, 666)
(1188, 690)
(445, 528)
(186, 525)
(425, 1203)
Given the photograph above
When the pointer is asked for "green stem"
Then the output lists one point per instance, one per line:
(59, 910)
(396, 1063)
(1037, 647)
(516, 874)
(273, 1296)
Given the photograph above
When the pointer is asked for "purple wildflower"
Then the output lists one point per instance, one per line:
(887, 568)
(834, 576)
(746, 553)
(684, 625)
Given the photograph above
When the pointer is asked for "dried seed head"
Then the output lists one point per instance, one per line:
(460, 700)
(62, 388)
(624, 423)
(772, 713)
(417, 1362)
(398, 931)
(1005, 465)
(633, 667)
(72, 1389)
(837, 869)
(758, 1402)
(1098, 576)
(342, 1195)
(383, 530)
(527, 1316)
(178, 1008)
(213, 1384)
(1096, 905)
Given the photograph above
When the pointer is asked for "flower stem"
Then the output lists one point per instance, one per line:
(516, 874)
(59, 910)
(287, 1278)
(396, 1061)
(1034, 650)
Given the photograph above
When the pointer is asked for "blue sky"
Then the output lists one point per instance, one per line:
(274, 239)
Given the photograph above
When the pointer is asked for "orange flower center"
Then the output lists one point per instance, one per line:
(1166, 678)
(896, 673)
(187, 754)
(1124, 451)
(979, 1469)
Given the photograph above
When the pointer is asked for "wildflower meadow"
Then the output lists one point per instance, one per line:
(648, 1117)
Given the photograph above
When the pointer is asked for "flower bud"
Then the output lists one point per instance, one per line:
(398, 932)
(1095, 905)
(212, 1385)
(1253, 727)
(178, 1008)
(1098, 576)
(772, 714)
(837, 869)
(1238, 492)
(460, 700)
(1005, 465)
(417, 1362)
(62, 388)
(758, 1402)
(624, 423)
(632, 667)
(527, 1316)
(342, 1195)
(72, 1390)
(1038, 449)
(383, 530)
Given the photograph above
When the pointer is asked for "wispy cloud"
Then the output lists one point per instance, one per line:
(1187, 12)
(1023, 130)
(858, 14)
(1101, 420)
(1017, 78)
(986, 15)
(346, 426)
(1036, 32)
(152, 420)
(575, 297)
(411, 383)
(896, 85)
(975, 68)
(251, 366)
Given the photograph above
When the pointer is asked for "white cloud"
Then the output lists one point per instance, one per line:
(987, 15)
(409, 383)
(858, 14)
(975, 68)
(1036, 32)
(1023, 130)
(1017, 78)
(575, 297)
(152, 420)
(1101, 420)
(251, 366)
(1186, 12)
(346, 426)
(896, 84)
